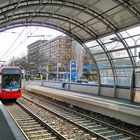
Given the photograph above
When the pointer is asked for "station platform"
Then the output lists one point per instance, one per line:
(117, 108)
(8, 128)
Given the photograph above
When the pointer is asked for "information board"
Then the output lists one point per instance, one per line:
(73, 71)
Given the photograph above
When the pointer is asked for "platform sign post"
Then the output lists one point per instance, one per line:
(73, 71)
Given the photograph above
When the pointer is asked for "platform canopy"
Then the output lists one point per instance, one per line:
(108, 29)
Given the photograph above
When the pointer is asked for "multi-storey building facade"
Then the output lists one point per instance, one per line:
(51, 55)
(33, 51)
(56, 54)
(34, 56)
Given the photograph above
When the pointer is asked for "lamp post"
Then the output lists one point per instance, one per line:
(58, 65)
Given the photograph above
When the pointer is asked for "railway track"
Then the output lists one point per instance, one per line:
(32, 127)
(67, 130)
(90, 125)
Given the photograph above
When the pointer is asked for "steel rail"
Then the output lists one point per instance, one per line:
(40, 121)
(129, 134)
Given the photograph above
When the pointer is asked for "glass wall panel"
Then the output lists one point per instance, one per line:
(100, 57)
(124, 81)
(123, 62)
(124, 34)
(137, 59)
(138, 41)
(119, 54)
(103, 64)
(130, 41)
(91, 44)
(135, 51)
(134, 31)
(114, 46)
(107, 80)
(97, 49)
(106, 73)
(124, 72)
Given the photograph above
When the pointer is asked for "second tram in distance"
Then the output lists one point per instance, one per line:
(10, 82)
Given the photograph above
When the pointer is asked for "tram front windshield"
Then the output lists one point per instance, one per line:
(11, 81)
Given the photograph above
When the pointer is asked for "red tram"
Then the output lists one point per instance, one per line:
(10, 82)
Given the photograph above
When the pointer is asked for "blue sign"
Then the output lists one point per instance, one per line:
(89, 67)
(65, 76)
(73, 71)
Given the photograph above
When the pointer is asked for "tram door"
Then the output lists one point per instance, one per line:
(137, 85)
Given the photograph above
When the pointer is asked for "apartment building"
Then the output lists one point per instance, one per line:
(51, 56)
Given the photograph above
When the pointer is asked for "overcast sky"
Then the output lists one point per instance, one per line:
(14, 42)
